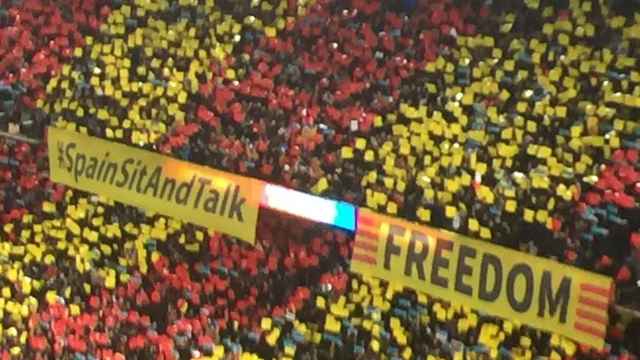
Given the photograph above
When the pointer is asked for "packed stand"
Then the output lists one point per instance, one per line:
(87, 277)
(493, 121)
(36, 38)
(512, 123)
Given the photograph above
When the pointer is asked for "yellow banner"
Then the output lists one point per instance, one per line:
(502, 282)
(214, 199)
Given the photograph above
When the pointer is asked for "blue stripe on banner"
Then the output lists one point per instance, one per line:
(345, 216)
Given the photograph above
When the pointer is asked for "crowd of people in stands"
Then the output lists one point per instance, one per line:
(515, 122)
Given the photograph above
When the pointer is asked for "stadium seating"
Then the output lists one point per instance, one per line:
(512, 122)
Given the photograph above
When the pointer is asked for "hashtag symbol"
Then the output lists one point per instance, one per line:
(62, 164)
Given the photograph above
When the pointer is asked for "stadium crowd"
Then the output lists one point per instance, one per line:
(513, 122)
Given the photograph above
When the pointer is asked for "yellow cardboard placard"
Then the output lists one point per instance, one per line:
(503, 282)
(346, 152)
(189, 192)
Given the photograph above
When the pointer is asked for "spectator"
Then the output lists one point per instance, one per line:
(512, 122)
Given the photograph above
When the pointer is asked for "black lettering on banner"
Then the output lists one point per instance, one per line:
(78, 167)
(184, 191)
(204, 182)
(440, 262)
(67, 151)
(561, 298)
(416, 258)
(154, 181)
(235, 209)
(391, 248)
(135, 174)
(225, 200)
(211, 203)
(99, 175)
(124, 172)
(110, 171)
(168, 183)
(490, 261)
(525, 271)
(91, 168)
(463, 269)
(143, 174)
